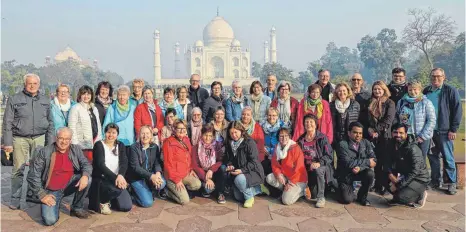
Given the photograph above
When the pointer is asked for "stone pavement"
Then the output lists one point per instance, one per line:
(441, 213)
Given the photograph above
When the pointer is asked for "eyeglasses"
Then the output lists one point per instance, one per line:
(63, 92)
(354, 79)
(180, 129)
(398, 75)
(61, 139)
(195, 80)
(285, 89)
(283, 136)
(437, 76)
(137, 87)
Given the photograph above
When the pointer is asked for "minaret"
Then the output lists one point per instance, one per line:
(266, 52)
(273, 45)
(157, 66)
(177, 60)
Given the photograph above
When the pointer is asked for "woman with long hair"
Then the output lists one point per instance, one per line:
(148, 113)
(254, 131)
(345, 110)
(84, 121)
(382, 112)
(103, 98)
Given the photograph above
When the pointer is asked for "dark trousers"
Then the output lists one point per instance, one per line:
(411, 193)
(381, 176)
(346, 186)
(51, 214)
(316, 181)
(218, 178)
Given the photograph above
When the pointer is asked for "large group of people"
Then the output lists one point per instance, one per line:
(134, 148)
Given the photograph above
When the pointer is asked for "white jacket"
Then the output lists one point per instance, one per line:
(79, 121)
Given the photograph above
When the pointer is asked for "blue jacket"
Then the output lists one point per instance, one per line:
(126, 126)
(178, 108)
(264, 105)
(450, 111)
(424, 117)
(233, 110)
(59, 119)
(271, 139)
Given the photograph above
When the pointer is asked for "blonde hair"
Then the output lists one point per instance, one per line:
(348, 88)
(415, 84)
(138, 81)
(386, 91)
(275, 109)
(63, 86)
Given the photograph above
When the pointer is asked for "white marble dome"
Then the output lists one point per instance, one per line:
(199, 43)
(235, 43)
(218, 33)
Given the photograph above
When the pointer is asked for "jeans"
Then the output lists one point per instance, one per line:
(143, 193)
(316, 178)
(292, 195)
(241, 191)
(23, 148)
(50, 214)
(443, 149)
(346, 188)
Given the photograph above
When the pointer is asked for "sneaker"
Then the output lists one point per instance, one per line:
(105, 209)
(452, 189)
(307, 194)
(13, 207)
(82, 214)
(422, 200)
(249, 203)
(205, 194)
(162, 194)
(264, 190)
(320, 203)
(414, 205)
(221, 199)
(393, 202)
(364, 202)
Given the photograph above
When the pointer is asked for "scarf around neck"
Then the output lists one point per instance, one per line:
(207, 154)
(195, 131)
(284, 109)
(269, 128)
(106, 102)
(235, 145)
(413, 99)
(256, 101)
(250, 127)
(66, 107)
(282, 152)
(342, 106)
(121, 112)
(237, 100)
(376, 105)
(314, 102)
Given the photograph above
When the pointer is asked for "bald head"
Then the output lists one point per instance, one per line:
(357, 82)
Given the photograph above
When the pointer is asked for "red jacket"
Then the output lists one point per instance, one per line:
(142, 117)
(177, 159)
(292, 166)
(294, 109)
(197, 166)
(258, 137)
(324, 124)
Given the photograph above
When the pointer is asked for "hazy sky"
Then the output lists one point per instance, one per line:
(119, 33)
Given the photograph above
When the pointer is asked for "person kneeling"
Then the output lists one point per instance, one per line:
(407, 170)
(145, 172)
(206, 161)
(56, 171)
(109, 168)
(242, 164)
(177, 164)
(288, 171)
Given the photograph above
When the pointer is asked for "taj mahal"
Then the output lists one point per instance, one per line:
(218, 57)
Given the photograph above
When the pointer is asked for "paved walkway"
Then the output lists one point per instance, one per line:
(441, 213)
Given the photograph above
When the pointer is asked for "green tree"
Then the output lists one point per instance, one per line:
(339, 60)
(305, 78)
(256, 70)
(281, 72)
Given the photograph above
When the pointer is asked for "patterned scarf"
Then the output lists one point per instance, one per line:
(375, 107)
(268, 128)
(106, 102)
(284, 109)
(235, 145)
(207, 154)
(282, 152)
(314, 102)
(250, 127)
(196, 131)
(237, 100)
(256, 101)
(219, 132)
(413, 99)
(121, 111)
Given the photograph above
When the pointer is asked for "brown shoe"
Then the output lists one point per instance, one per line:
(307, 193)
(82, 214)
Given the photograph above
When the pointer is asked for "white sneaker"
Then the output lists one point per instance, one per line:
(105, 209)
(320, 203)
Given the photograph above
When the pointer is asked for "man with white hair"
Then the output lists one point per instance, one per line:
(56, 171)
(27, 123)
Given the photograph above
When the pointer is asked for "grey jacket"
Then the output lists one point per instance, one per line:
(27, 116)
(41, 166)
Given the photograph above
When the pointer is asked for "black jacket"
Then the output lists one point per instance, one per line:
(408, 161)
(102, 177)
(363, 98)
(102, 111)
(397, 91)
(450, 110)
(247, 160)
(39, 169)
(197, 96)
(209, 107)
(137, 170)
(382, 126)
(348, 158)
(352, 115)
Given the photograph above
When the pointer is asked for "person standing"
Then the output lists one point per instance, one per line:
(398, 87)
(286, 104)
(27, 123)
(197, 94)
(138, 85)
(327, 87)
(213, 102)
(345, 110)
(448, 109)
(183, 100)
(258, 101)
(60, 106)
(363, 97)
(270, 90)
(103, 98)
(236, 102)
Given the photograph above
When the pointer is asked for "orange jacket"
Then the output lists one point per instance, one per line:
(177, 159)
(142, 117)
(258, 137)
(292, 166)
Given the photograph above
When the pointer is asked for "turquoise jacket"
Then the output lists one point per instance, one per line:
(126, 125)
(60, 119)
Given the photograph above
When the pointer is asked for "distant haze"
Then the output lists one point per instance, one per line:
(119, 33)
